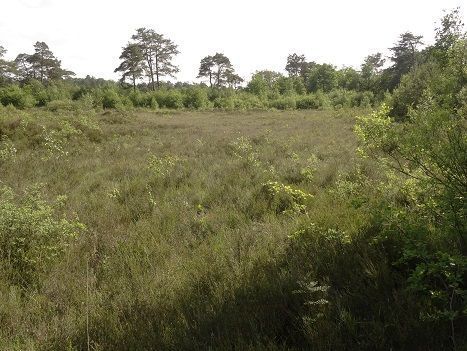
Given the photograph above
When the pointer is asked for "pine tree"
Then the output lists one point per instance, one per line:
(133, 64)
(158, 52)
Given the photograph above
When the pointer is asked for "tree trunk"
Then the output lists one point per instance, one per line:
(151, 73)
(157, 71)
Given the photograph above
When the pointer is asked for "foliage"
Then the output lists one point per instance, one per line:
(196, 98)
(172, 99)
(110, 99)
(33, 237)
(285, 199)
(14, 95)
(132, 65)
(432, 174)
(157, 52)
(219, 70)
(284, 103)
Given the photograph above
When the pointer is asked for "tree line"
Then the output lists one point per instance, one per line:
(147, 60)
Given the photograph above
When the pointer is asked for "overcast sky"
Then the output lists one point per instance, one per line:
(87, 35)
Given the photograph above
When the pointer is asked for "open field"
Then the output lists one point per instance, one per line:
(179, 223)
(186, 230)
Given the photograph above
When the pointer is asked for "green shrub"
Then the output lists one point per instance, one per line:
(136, 98)
(307, 102)
(196, 98)
(150, 101)
(110, 99)
(342, 98)
(225, 103)
(172, 99)
(62, 105)
(87, 101)
(32, 235)
(139, 99)
(284, 103)
(14, 95)
(7, 149)
(38, 91)
(323, 100)
(283, 198)
(365, 99)
(251, 101)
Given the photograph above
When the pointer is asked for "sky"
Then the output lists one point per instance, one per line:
(87, 35)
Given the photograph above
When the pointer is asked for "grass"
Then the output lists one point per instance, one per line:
(191, 225)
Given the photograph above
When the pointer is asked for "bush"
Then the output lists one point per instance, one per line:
(323, 100)
(58, 105)
(14, 95)
(342, 98)
(150, 101)
(365, 99)
(110, 99)
(307, 102)
(283, 198)
(225, 103)
(284, 103)
(250, 101)
(31, 235)
(38, 91)
(136, 98)
(196, 98)
(44, 94)
(87, 101)
(172, 99)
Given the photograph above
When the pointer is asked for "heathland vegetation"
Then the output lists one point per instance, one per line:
(322, 210)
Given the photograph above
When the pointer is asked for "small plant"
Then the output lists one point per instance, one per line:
(309, 170)
(315, 296)
(7, 149)
(243, 150)
(32, 234)
(55, 140)
(438, 280)
(114, 193)
(285, 199)
(162, 166)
